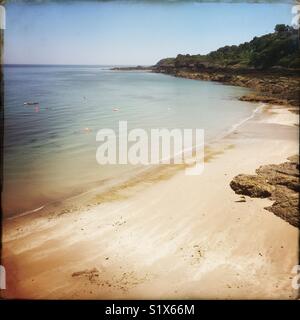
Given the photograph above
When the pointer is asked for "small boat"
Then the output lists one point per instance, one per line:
(30, 103)
(115, 109)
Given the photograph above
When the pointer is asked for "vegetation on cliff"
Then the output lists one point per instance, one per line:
(277, 49)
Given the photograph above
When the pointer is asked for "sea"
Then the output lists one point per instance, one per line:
(50, 147)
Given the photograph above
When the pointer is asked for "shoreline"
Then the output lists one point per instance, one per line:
(123, 249)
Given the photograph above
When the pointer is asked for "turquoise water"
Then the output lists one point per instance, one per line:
(49, 154)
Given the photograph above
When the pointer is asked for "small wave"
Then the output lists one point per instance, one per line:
(26, 213)
(238, 124)
(255, 111)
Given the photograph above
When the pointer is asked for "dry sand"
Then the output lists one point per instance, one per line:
(181, 237)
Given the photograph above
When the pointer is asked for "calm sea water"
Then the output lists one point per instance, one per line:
(48, 154)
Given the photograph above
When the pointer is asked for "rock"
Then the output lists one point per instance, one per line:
(277, 89)
(264, 99)
(294, 159)
(286, 205)
(279, 182)
(251, 185)
(91, 272)
(285, 174)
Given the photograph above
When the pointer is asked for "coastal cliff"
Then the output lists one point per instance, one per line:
(270, 65)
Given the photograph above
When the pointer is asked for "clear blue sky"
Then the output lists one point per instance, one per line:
(130, 33)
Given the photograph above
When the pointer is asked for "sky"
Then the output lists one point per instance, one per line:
(130, 32)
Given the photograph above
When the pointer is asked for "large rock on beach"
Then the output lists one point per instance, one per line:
(279, 182)
(251, 185)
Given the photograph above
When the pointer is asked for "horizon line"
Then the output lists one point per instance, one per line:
(65, 64)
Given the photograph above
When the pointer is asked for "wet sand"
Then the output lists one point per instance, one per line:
(179, 236)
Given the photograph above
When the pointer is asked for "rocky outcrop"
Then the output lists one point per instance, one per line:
(279, 87)
(279, 183)
(252, 186)
(137, 68)
(264, 99)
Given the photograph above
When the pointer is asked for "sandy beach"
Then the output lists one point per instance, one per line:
(179, 237)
